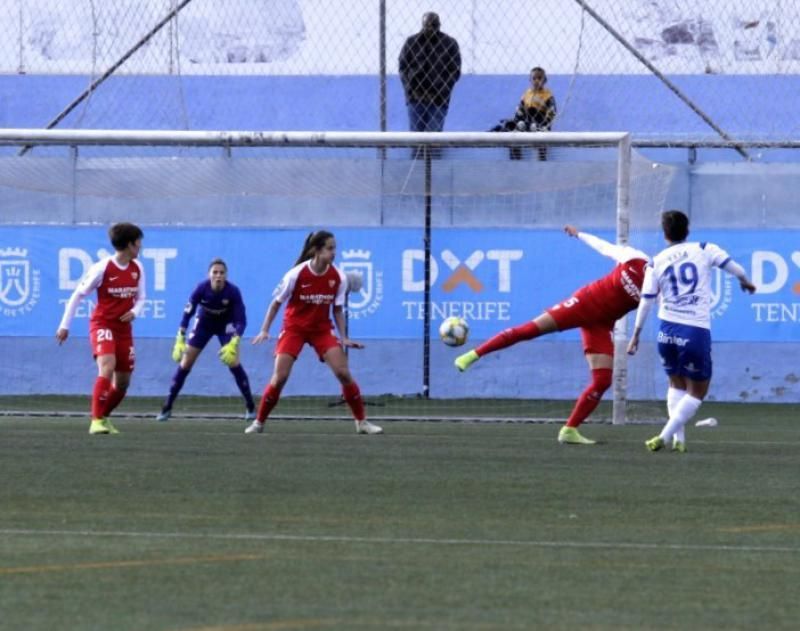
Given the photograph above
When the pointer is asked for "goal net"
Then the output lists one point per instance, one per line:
(470, 226)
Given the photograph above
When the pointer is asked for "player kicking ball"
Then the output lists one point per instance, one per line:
(680, 277)
(594, 309)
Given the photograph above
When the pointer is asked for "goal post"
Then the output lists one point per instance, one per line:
(455, 216)
(620, 379)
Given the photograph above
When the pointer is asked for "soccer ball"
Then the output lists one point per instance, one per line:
(454, 331)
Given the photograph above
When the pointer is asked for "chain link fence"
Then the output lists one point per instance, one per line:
(660, 68)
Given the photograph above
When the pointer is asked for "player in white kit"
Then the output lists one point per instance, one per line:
(680, 276)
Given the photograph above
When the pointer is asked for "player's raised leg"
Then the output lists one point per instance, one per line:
(542, 325)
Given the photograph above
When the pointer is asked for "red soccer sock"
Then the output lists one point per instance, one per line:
(100, 393)
(590, 398)
(508, 337)
(115, 396)
(268, 401)
(352, 396)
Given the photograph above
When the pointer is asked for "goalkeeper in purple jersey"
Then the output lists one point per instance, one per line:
(220, 311)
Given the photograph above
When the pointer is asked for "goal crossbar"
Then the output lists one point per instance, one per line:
(139, 137)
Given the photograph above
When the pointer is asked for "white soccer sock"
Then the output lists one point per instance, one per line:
(685, 409)
(674, 395)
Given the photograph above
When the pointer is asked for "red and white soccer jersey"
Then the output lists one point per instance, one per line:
(309, 298)
(119, 290)
(597, 306)
(616, 293)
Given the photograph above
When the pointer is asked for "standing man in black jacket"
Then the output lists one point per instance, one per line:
(430, 65)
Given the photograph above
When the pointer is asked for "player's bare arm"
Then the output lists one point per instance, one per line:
(127, 317)
(62, 335)
(338, 317)
(633, 343)
(263, 334)
(571, 230)
(645, 305)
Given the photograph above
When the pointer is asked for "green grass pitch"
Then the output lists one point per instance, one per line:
(191, 525)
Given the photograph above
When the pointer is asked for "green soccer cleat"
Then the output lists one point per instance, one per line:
(655, 444)
(110, 426)
(99, 426)
(571, 436)
(462, 362)
(678, 445)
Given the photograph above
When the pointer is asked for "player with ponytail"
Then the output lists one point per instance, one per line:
(312, 289)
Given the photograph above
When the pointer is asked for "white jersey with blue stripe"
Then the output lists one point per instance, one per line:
(680, 276)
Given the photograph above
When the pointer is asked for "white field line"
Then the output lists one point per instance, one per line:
(421, 541)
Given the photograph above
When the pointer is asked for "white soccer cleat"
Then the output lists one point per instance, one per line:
(256, 427)
(365, 427)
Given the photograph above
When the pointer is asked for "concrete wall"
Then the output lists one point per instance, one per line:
(636, 103)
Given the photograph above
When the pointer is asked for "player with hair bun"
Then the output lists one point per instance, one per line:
(594, 309)
(119, 282)
(311, 289)
(680, 276)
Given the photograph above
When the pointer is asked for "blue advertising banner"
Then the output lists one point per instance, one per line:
(494, 278)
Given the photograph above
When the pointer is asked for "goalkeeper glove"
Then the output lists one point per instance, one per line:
(179, 348)
(230, 351)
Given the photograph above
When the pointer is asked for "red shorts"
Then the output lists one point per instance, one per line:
(597, 331)
(113, 341)
(291, 342)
